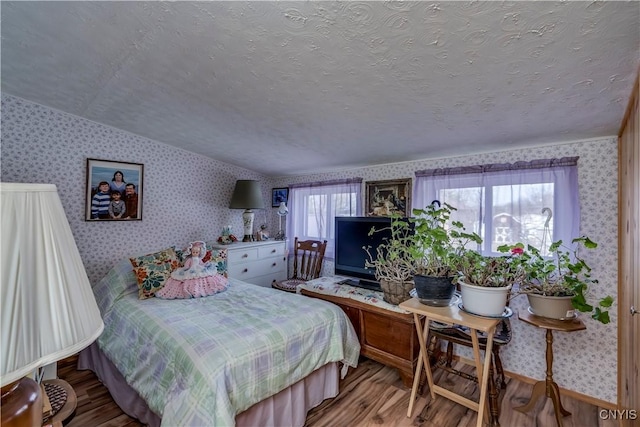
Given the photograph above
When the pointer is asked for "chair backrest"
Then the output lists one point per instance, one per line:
(307, 258)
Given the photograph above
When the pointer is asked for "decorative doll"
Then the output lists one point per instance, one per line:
(195, 278)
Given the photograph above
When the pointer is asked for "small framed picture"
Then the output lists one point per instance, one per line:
(279, 195)
(384, 198)
(114, 191)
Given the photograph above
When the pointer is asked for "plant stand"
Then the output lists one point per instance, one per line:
(452, 314)
(548, 386)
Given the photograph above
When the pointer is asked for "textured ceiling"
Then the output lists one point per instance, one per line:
(293, 87)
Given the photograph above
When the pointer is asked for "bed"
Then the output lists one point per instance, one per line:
(246, 356)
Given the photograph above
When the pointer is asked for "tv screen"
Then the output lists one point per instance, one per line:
(351, 235)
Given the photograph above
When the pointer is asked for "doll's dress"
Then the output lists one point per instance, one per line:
(196, 279)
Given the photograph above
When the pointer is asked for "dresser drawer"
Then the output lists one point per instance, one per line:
(261, 267)
(243, 272)
(242, 255)
(270, 265)
(271, 251)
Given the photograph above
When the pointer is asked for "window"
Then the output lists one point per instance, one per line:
(504, 203)
(314, 206)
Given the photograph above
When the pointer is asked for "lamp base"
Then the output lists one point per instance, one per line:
(21, 404)
(247, 221)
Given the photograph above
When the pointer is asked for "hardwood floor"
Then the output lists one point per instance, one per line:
(370, 395)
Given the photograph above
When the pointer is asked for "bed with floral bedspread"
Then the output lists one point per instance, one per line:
(202, 361)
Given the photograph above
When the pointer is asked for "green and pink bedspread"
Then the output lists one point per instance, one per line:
(202, 361)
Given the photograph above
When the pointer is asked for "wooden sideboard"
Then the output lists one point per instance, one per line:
(385, 336)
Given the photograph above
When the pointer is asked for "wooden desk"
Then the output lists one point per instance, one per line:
(452, 314)
(548, 386)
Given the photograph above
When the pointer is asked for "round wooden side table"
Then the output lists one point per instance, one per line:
(69, 406)
(548, 386)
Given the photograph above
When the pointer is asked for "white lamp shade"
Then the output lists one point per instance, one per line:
(49, 311)
(282, 209)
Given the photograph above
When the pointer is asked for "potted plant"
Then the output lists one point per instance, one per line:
(558, 284)
(394, 266)
(486, 281)
(437, 246)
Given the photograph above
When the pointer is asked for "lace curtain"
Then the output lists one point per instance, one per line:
(314, 206)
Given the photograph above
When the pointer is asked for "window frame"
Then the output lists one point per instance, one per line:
(299, 209)
(561, 173)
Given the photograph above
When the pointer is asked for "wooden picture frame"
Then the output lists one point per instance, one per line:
(384, 198)
(123, 178)
(279, 195)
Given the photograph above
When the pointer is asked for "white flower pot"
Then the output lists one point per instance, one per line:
(484, 301)
(551, 307)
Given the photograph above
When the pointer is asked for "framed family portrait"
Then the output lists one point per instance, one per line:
(386, 198)
(113, 191)
(279, 195)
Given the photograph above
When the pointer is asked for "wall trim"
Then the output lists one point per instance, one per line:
(563, 391)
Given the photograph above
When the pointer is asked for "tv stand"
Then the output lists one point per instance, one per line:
(365, 284)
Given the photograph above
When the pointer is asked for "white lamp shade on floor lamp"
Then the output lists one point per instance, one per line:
(49, 311)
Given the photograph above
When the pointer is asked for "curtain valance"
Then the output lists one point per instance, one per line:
(500, 167)
(345, 181)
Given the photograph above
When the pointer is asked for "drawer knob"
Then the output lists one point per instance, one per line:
(273, 251)
(274, 264)
(245, 255)
(245, 270)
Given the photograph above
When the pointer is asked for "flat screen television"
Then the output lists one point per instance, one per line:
(351, 235)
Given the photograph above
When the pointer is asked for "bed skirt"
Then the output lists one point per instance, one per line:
(289, 407)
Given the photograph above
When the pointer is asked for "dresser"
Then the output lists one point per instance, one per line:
(259, 263)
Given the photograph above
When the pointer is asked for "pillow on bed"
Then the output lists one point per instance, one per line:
(152, 270)
(119, 281)
(218, 257)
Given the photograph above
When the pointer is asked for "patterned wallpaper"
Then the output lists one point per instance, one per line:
(186, 197)
(592, 352)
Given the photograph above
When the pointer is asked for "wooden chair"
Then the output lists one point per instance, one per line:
(308, 256)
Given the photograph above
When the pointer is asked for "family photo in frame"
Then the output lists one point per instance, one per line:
(386, 198)
(113, 191)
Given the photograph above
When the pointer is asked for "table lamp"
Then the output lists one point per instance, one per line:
(282, 211)
(49, 311)
(247, 195)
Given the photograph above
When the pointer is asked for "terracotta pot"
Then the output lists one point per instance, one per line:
(551, 307)
(434, 291)
(484, 301)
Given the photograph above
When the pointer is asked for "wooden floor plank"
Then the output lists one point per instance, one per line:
(370, 395)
